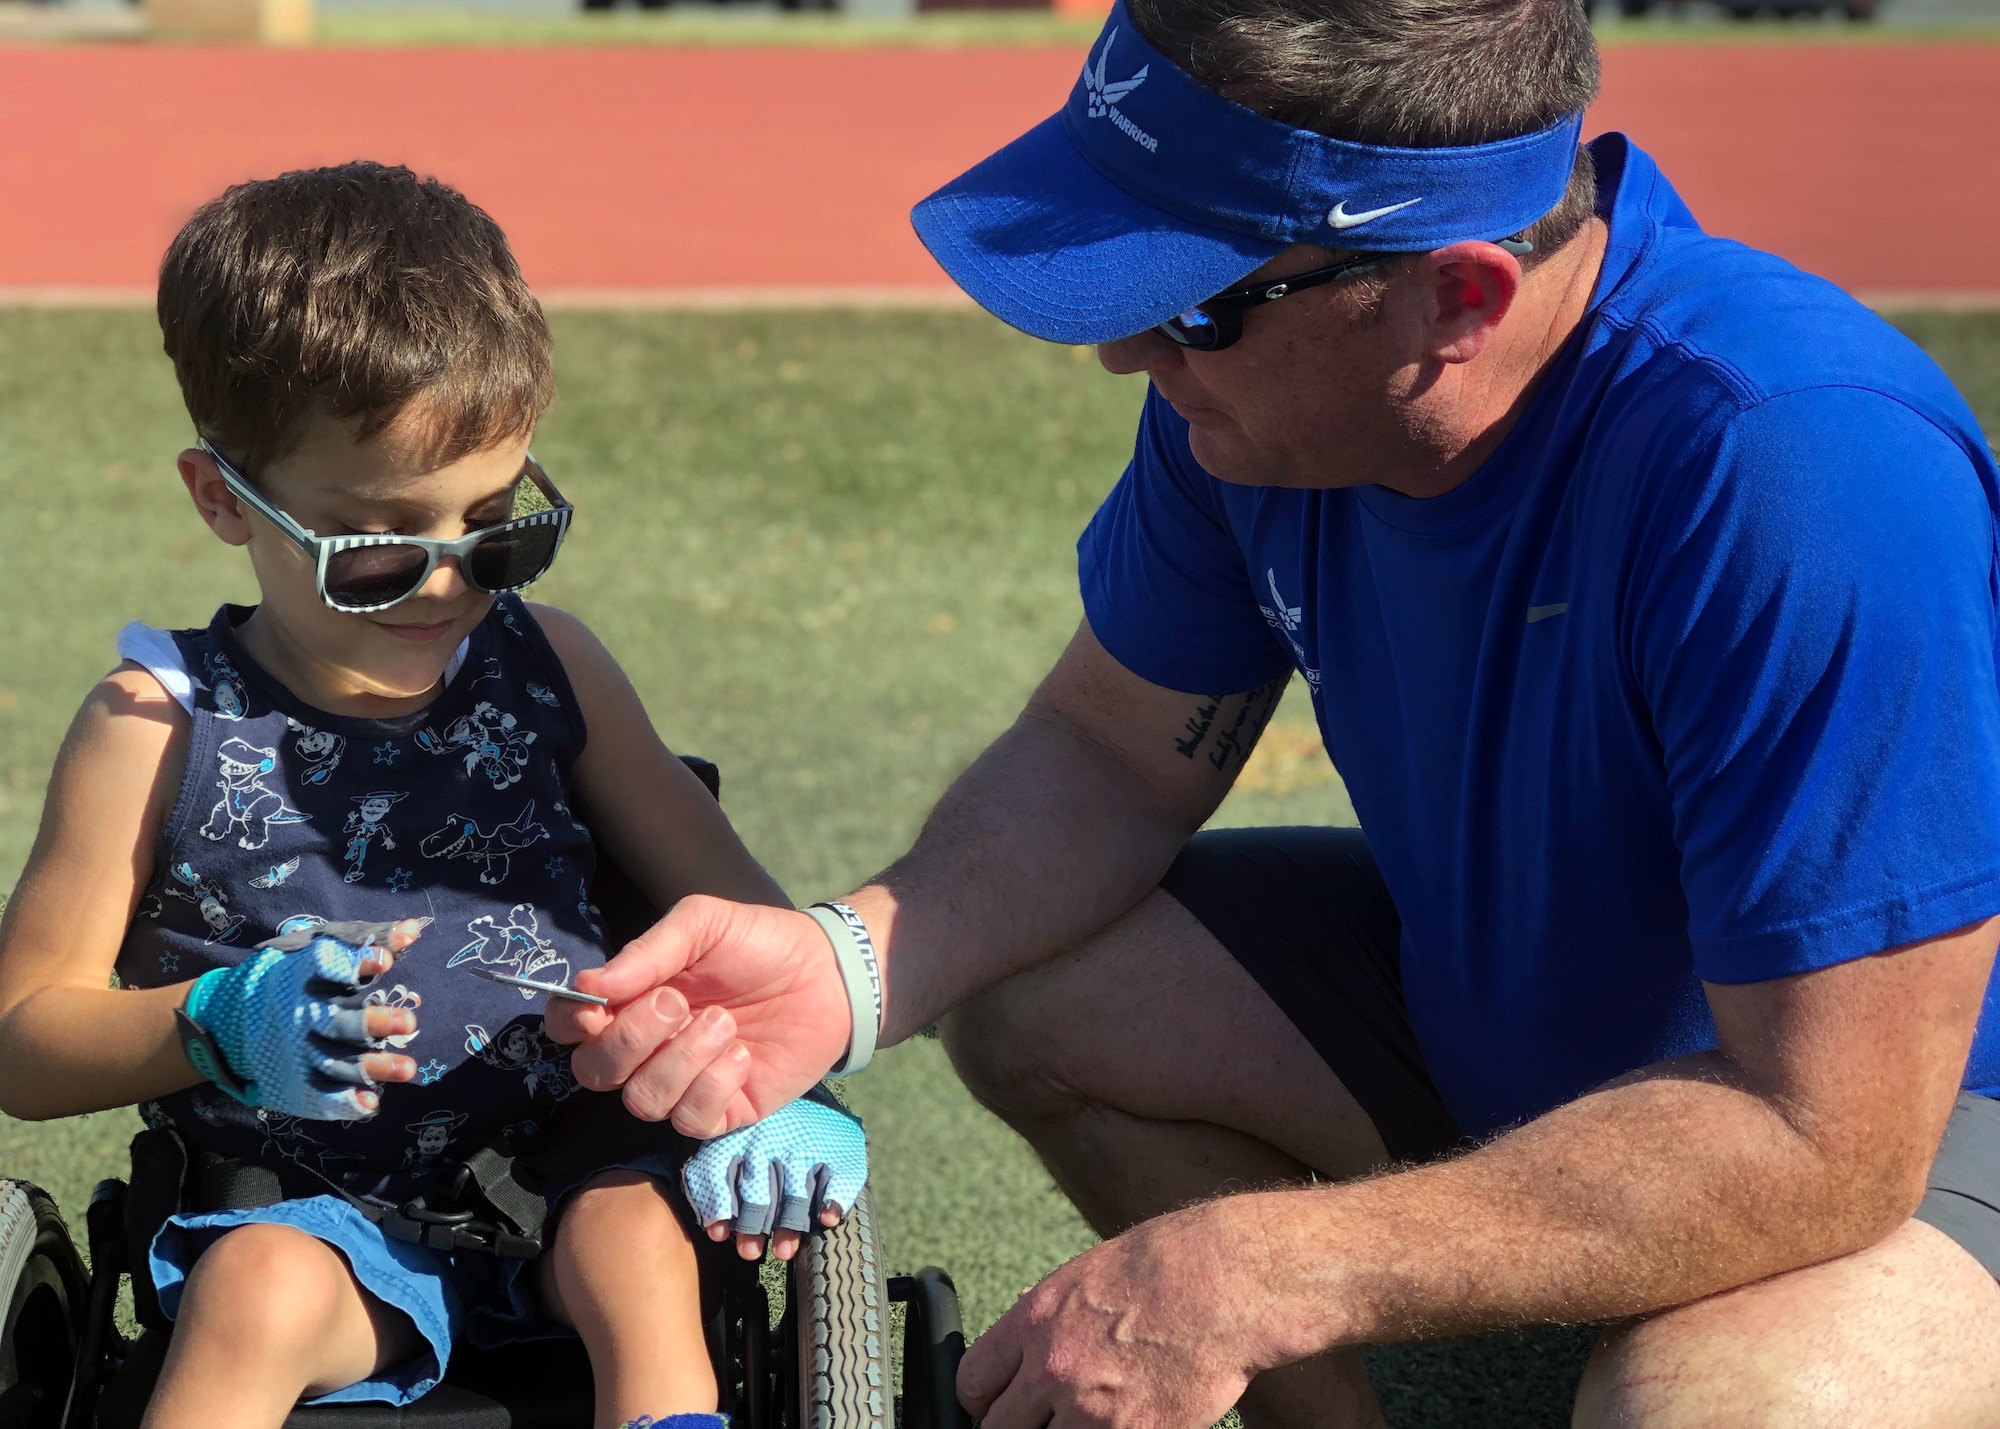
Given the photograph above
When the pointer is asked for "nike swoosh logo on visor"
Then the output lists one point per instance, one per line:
(1341, 218)
(1544, 612)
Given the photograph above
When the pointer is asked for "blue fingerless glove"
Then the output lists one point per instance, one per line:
(780, 1171)
(289, 1023)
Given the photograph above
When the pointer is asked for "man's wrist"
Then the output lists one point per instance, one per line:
(1289, 1272)
(861, 975)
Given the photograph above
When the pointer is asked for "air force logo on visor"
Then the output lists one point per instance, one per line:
(1104, 98)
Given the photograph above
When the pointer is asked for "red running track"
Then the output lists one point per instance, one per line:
(643, 169)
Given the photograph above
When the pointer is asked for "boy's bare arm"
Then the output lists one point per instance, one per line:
(69, 1042)
(643, 806)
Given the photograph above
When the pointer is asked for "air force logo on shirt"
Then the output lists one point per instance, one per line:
(1105, 96)
(1289, 621)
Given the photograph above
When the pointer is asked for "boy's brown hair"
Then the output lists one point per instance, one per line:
(354, 291)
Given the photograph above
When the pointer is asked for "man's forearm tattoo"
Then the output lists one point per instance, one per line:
(1197, 727)
(1225, 728)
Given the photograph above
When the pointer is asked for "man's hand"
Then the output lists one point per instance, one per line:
(1151, 1330)
(720, 1014)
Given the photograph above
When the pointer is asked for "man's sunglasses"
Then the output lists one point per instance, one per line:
(1218, 322)
(361, 574)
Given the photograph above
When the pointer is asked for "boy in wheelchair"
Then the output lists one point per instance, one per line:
(304, 840)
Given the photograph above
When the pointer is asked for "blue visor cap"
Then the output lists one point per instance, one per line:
(1150, 192)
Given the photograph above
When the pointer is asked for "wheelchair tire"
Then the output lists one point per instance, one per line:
(843, 1327)
(45, 1290)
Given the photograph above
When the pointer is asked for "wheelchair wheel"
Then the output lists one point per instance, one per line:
(842, 1326)
(45, 1289)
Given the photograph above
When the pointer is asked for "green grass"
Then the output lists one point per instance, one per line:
(834, 552)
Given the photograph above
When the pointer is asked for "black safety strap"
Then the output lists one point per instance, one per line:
(495, 1176)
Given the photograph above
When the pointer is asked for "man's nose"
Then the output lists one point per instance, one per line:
(1142, 352)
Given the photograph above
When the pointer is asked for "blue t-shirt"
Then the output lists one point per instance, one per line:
(1694, 679)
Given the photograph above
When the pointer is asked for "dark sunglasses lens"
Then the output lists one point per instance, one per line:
(508, 560)
(1193, 328)
(367, 576)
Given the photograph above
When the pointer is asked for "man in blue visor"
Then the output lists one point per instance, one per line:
(1645, 591)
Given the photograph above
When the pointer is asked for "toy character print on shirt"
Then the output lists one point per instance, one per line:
(209, 900)
(277, 873)
(434, 1136)
(518, 1047)
(499, 880)
(319, 749)
(226, 686)
(364, 825)
(461, 837)
(248, 806)
(515, 946)
(492, 743)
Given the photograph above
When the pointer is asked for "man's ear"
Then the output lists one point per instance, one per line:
(1472, 287)
(212, 497)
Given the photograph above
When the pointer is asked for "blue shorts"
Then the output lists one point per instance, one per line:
(470, 1294)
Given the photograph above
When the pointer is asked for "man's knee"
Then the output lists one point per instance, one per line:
(1905, 1332)
(999, 1044)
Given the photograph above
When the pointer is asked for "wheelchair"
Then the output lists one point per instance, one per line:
(824, 1363)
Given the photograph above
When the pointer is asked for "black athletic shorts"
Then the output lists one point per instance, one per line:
(1305, 912)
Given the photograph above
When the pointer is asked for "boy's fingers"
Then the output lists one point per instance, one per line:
(389, 1022)
(388, 1067)
(718, 1230)
(750, 1247)
(785, 1244)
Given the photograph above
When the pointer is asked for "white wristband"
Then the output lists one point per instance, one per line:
(854, 951)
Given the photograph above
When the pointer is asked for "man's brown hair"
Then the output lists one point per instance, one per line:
(354, 291)
(1408, 73)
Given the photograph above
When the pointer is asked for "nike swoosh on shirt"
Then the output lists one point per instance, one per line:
(1544, 612)
(1341, 218)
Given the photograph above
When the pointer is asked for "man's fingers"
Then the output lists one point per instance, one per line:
(1020, 1407)
(656, 1083)
(659, 954)
(638, 1031)
(750, 1247)
(703, 1110)
(569, 1021)
(989, 1366)
(785, 1244)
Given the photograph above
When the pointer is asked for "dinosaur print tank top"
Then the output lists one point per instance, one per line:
(458, 815)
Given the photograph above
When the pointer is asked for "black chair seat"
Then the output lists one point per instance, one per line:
(544, 1384)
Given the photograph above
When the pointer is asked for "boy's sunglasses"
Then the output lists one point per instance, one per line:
(1218, 322)
(357, 575)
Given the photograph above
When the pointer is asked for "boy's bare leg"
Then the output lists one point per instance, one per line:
(622, 1274)
(271, 1315)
